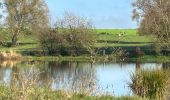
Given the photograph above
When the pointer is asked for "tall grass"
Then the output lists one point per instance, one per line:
(45, 94)
(150, 84)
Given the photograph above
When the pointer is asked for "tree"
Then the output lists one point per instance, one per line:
(51, 41)
(80, 32)
(25, 15)
(154, 18)
(71, 34)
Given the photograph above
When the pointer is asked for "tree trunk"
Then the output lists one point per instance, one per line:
(14, 40)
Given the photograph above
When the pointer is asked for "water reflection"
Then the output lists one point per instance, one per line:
(166, 65)
(98, 78)
(8, 63)
(72, 76)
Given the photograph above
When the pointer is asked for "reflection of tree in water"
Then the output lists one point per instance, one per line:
(39, 71)
(14, 72)
(8, 63)
(5, 74)
(73, 76)
(166, 65)
(7, 67)
(138, 66)
(70, 76)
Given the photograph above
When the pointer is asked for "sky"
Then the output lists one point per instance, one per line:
(105, 14)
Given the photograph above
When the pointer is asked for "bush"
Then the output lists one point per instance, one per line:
(51, 41)
(72, 36)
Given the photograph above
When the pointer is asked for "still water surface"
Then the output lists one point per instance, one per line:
(98, 78)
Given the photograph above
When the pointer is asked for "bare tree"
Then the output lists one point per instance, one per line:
(154, 18)
(25, 15)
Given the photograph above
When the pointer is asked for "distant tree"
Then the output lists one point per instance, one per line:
(24, 15)
(154, 18)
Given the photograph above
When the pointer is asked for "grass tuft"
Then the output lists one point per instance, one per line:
(150, 84)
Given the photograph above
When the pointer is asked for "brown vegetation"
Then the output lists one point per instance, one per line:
(150, 84)
(11, 55)
(72, 35)
(154, 18)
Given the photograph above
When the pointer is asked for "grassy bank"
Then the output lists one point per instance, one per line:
(106, 38)
(151, 84)
(46, 94)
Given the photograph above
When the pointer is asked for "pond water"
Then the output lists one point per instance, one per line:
(97, 78)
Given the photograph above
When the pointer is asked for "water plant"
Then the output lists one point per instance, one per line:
(150, 84)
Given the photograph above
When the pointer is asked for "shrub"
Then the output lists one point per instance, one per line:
(51, 41)
(72, 35)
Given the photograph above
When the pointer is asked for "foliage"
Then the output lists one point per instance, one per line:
(150, 84)
(71, 36)
(119, 54)
(23, 16)
(51, 41)
(154, 18)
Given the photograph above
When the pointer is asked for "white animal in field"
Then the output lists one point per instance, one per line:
(120, 34)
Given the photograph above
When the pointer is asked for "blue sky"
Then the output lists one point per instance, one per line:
(103, 13)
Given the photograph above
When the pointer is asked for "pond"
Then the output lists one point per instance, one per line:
(96, 78)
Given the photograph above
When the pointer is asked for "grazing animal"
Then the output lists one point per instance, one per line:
(120, 34)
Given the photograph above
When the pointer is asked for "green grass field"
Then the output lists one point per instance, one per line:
(111, 39)
(115, 31)
(130, 36)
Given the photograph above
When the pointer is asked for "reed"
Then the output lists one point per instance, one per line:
(150, 84)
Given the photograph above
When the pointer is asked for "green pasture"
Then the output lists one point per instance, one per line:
(110, 37)
(131, 35)
(105, 38)
(116, 31)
